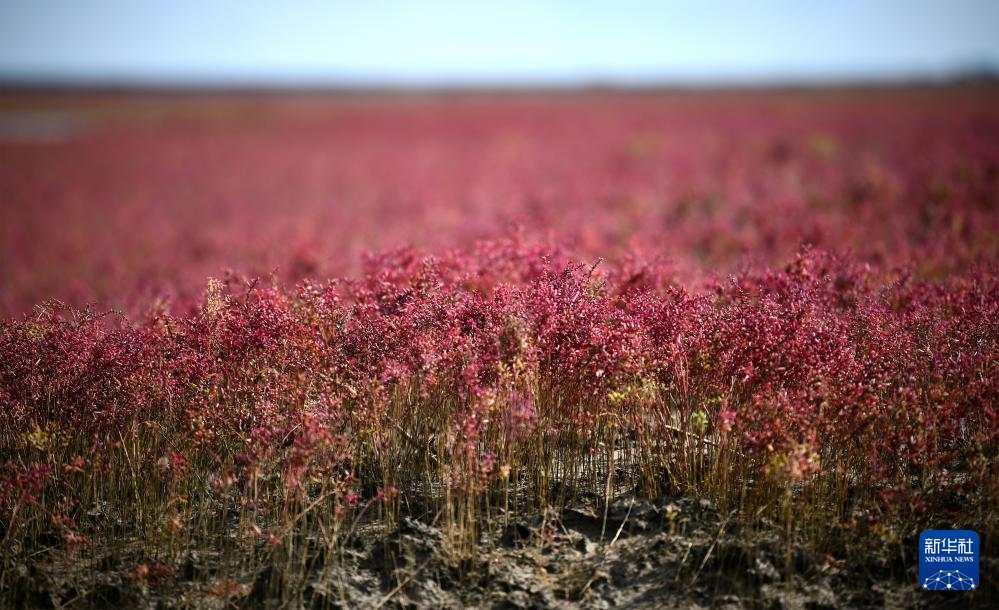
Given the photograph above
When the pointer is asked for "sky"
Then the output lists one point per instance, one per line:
(406, 42)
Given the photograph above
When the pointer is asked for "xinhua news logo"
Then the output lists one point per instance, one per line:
(948, 560)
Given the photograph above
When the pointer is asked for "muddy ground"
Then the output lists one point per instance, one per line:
(671, 553)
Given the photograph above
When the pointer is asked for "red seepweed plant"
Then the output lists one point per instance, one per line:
(270, 423)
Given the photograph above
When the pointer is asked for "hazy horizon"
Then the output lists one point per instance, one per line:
(399, 43)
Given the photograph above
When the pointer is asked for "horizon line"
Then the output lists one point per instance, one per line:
(988, 74)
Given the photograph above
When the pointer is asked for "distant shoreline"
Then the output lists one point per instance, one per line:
(20, 84)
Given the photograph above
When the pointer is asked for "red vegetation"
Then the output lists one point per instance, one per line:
(851, 387)
(148, 197)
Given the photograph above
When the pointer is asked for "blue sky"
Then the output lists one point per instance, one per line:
(408, 42)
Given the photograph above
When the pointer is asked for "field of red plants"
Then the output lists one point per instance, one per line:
(243, 334)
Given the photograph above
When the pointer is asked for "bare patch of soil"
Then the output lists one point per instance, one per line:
(670, 553)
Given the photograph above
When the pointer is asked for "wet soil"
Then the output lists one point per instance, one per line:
(668, 553)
